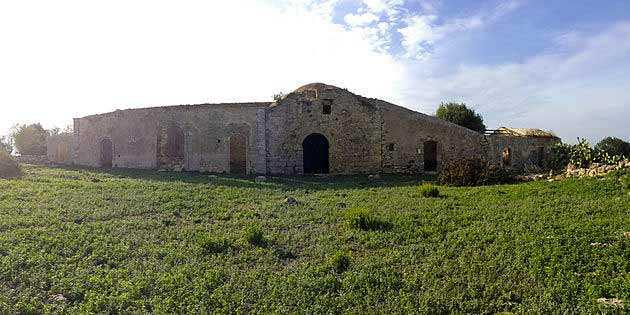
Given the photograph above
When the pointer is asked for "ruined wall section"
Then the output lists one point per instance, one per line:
(405, 133)
(352, 128)
(523, 151)
(59, 148)
(139, 137)
(133, 135)
(207, 132)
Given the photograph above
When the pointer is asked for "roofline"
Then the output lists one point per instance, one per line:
(183, 106)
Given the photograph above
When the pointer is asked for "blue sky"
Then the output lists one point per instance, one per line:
(556, 65)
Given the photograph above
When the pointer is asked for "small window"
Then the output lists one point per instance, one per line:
(311, 93)
(391, 147)
(327, 107)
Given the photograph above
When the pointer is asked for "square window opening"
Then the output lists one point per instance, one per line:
(327, 107)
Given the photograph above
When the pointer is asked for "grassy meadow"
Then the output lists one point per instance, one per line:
(78, 241)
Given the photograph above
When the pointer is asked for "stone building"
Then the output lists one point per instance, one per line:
(318, 128)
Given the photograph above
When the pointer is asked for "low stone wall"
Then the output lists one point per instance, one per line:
(596, 169)
(32, 159)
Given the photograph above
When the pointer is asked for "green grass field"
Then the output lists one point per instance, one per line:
(136, 242)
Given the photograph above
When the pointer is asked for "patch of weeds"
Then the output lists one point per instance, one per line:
(254, 236)
(363, 219)
(328, 283)
(622, 176)
(214, 245)
(428, 190)
(339, 262)
(625, 181)
(168, 222)
(283, 253)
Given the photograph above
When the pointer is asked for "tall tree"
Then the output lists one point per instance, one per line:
(30, 139)
(614, 146)
(460, 114)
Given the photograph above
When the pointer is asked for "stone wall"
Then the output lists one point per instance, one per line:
(59, 149)
(133, 135)
(362, 136)
(352, 129)
(521, 152)
(32, 159)
(404, 133)
(596, 169)
(139, 136)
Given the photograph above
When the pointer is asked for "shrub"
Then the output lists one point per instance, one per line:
(339, 262)
(560, 156)
(472, 172)
(214, 245)
(9, 168)
(255, 236)
(363, 219)
(614, 146)
(581, 155)
(428, 190)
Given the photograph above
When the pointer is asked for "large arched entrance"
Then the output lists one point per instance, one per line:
(107, 153)
(315, 151)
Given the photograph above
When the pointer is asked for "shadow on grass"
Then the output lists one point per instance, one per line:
(309, 182)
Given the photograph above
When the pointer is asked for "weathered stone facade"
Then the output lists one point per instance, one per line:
(316, 129)
(59, 149)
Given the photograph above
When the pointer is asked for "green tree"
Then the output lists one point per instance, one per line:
(30, 139)
(614, 146)
(6, 144)
(459, 114)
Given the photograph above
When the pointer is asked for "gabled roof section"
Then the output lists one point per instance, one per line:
(524, 132)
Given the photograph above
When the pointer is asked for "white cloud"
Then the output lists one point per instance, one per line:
(578, 91)
(376, 5)
(423, 30)
(420, 33)
(360, 19)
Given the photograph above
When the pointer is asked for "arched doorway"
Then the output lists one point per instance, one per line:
(175, 142)
(315, 151)
(506, 157)
(107, 153)
(238, 154)
(430, 156)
